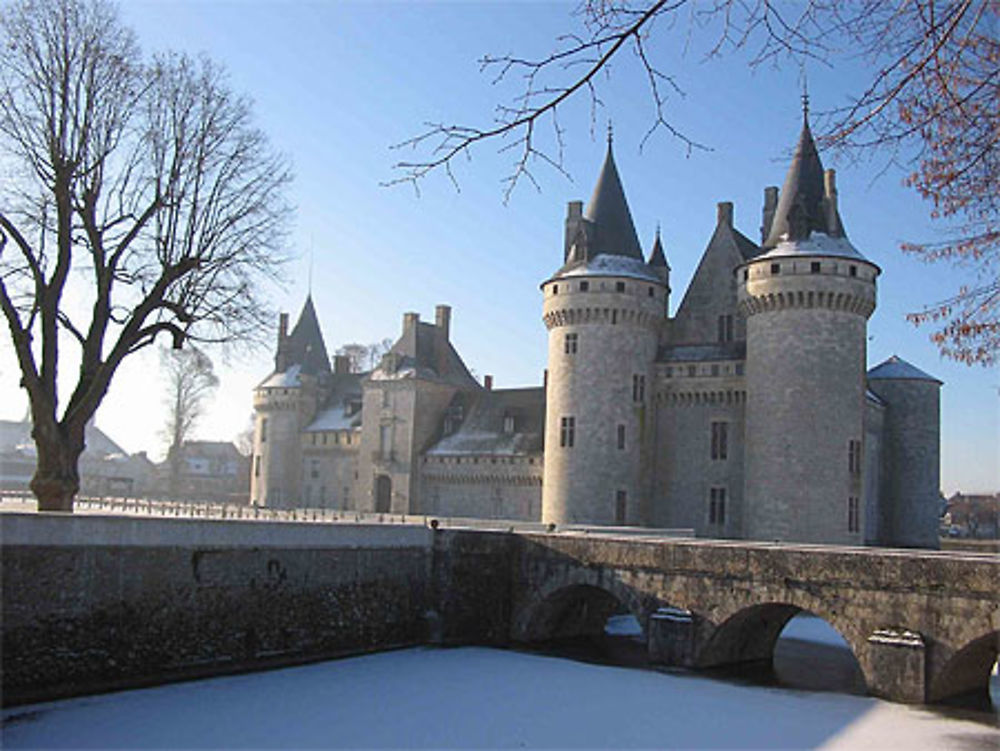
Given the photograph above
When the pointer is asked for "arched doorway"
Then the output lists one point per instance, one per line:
(383, 494)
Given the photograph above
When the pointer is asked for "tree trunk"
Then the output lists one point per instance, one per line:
(57, 474)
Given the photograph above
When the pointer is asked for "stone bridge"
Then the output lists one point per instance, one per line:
(95, 603)
(923, 626)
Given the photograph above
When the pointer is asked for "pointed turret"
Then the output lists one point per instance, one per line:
(608, 212)
(305, 346)
(805, 205)
(657, 258)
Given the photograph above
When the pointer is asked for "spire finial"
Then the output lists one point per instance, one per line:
(805, 98)
(657, 230)
(611, 133)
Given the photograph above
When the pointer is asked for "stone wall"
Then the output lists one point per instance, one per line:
(97, 603)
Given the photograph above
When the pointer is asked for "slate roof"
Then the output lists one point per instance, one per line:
(657, 258)
(423, 352)
(15, 436)
(305, 345)
(609, 213)
(896, 368)
(341, 411)
(800, 209)
(481, 431)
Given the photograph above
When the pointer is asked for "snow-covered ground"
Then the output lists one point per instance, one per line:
(481, 698)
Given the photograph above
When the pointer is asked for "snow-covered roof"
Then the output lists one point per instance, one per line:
(817, 244)
(342, 409)
(897, 368)
(337, 417)
(291, 378)
(702, 352)
(610, 265)
(482, 430)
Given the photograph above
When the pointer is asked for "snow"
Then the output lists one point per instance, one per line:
(817, 244)
(610, 265)
(623, 625)
(481, 698)
(288, 379)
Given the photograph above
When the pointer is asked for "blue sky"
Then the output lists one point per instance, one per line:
(336, 84)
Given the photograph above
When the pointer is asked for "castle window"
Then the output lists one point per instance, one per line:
(584, 286)
(638, 388)
(854, 457)
(570, 343)
(854, 270)
(567, 432)
(720, 440)
(555, 289)
(814, 267)
(650, 291)
(669, 373)
(746, 274)
(508, 423)
(263, 430)
(739, 368)
(621, 437)
(614, 317)
(621, 506)
(853, 517)
(324, 438)
(717, 506)
(619, 286)
(692, 371)
(314, 469)
(725, 328)
(775, 268)
(256, 466)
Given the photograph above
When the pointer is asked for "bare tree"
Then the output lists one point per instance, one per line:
(364, 357)
(143, 202)
(191, 380)
(930, 107)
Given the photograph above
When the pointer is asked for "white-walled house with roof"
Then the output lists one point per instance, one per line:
(747, 414)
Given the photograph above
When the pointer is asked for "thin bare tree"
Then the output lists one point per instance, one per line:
(191, 380)
(931, 107)
(139, 200)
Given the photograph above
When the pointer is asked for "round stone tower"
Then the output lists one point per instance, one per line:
(283, 404)
(806, 298)
(911, 454)
(603, 310)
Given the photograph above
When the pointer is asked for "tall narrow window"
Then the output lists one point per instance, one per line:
(638, 388)
(263, 430)
(508, 424)
(256, 466)
(314, 469)
(720, 440)
(717, 506)
(619, 286)
(621, 437)
(854, 457)
(570, 343)
(621, 506)
(725, 328)
(853, 516)
(567, 432)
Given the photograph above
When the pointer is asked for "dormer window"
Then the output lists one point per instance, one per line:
(508, 424)
(584, 286)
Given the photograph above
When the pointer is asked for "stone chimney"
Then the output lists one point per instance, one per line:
(830, 202)
(488, 382)
(281, 354)
(724, 211)
(574, 215)
(442, 319)
(770, 206)
(410, 321)
(341, 364)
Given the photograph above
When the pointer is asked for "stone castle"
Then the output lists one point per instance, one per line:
(748, 414)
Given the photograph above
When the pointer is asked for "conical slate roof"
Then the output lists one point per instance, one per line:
(896, 368)
(608, 212)
(305, 344)
(801, 210)
(657, 258)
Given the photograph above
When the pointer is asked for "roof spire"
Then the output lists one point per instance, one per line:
(657, 258)
(805, 98)
(611, 133)
(608, 212)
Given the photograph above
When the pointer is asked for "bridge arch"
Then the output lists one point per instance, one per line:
(574, 604)
(750, 634)
(967, 671)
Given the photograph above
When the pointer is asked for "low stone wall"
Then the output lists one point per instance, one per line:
(94, 603)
